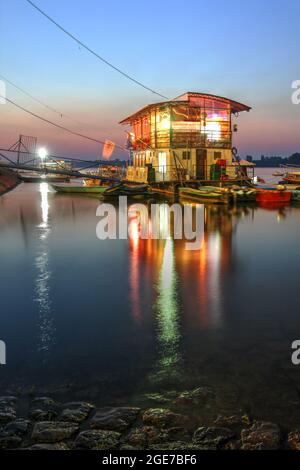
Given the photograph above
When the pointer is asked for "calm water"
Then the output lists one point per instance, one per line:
(112, 321)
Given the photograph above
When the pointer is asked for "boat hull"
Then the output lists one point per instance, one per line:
(271, 196)
(211, 195)
(45, 179)
(79, 189)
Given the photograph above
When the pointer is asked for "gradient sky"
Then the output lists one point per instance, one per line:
(248, 51)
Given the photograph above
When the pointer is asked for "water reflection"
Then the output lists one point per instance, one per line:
(167, 311)
(46, 328)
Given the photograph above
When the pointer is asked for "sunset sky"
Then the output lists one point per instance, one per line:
(247, 51)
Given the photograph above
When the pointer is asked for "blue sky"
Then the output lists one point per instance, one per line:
(248, 51)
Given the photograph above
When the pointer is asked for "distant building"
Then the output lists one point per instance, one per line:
(182, 138)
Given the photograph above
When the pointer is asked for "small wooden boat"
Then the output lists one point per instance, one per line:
(209, 193)
(38, 178)
(79, 189)
(130, 190)
(278, 173)
(243, 194)
(273, 195)
(292, 178)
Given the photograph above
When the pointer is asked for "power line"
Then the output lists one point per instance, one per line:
(62, 115)
(78, 134)
(31, 96)
(92, 51)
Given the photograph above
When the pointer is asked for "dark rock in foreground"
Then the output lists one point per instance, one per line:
(261, 436)
(212, 437)
(163, 418)
(97, 440)
(294, 439)
(76, 411)
(49, 431)
(114, 419)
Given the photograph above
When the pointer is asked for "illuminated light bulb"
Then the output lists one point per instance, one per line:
(42, 153)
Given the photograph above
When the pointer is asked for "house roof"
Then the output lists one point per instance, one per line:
(186, 98)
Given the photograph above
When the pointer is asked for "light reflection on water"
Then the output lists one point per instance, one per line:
(42, 294)
(167, 310)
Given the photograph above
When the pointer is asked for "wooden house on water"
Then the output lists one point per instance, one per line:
(184, 139)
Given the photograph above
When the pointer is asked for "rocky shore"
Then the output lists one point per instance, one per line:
(45, 424)
(8, 180)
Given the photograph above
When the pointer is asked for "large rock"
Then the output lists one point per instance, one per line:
(261, 436)
(294, 439)
(76, 411)
(97, 440)
(141, 438)
(114, 419)
(198, 396)
(48, 431)
(232, 421)
(10, 442)
(174, 446)
(163, 418)
(212, 437)
(16, 428)
(57, 446)
(43, 415)
(43, 409)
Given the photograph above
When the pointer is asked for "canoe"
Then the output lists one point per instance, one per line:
(79, 189)
(130, 190)
(269, 195)
(243, 195)
(208, 193)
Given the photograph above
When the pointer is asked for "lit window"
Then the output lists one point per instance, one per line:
(162, 162)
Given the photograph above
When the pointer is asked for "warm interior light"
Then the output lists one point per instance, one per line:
(163, 121)
(213, 130)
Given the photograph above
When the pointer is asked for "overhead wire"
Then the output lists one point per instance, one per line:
(82, 44)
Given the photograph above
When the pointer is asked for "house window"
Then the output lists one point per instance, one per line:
(186, 155)
(162, 162)
(217, 155)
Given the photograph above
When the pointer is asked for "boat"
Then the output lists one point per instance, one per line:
(278, 173)
(292, 177)
(209, 193)
(242, 194)
(79, 189)
(273, 195)
(36, 177)
(130, 190)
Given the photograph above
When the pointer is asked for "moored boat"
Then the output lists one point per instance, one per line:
(130, 190)
(209, 193)
(79, 189)
(273, 195)
(292, 177)
(243, 194)
(33, 177)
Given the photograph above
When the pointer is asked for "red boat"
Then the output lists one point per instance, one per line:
(273, 195)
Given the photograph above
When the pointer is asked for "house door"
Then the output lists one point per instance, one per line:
(201, 157)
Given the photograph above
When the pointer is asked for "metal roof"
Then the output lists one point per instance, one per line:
(185, 98)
